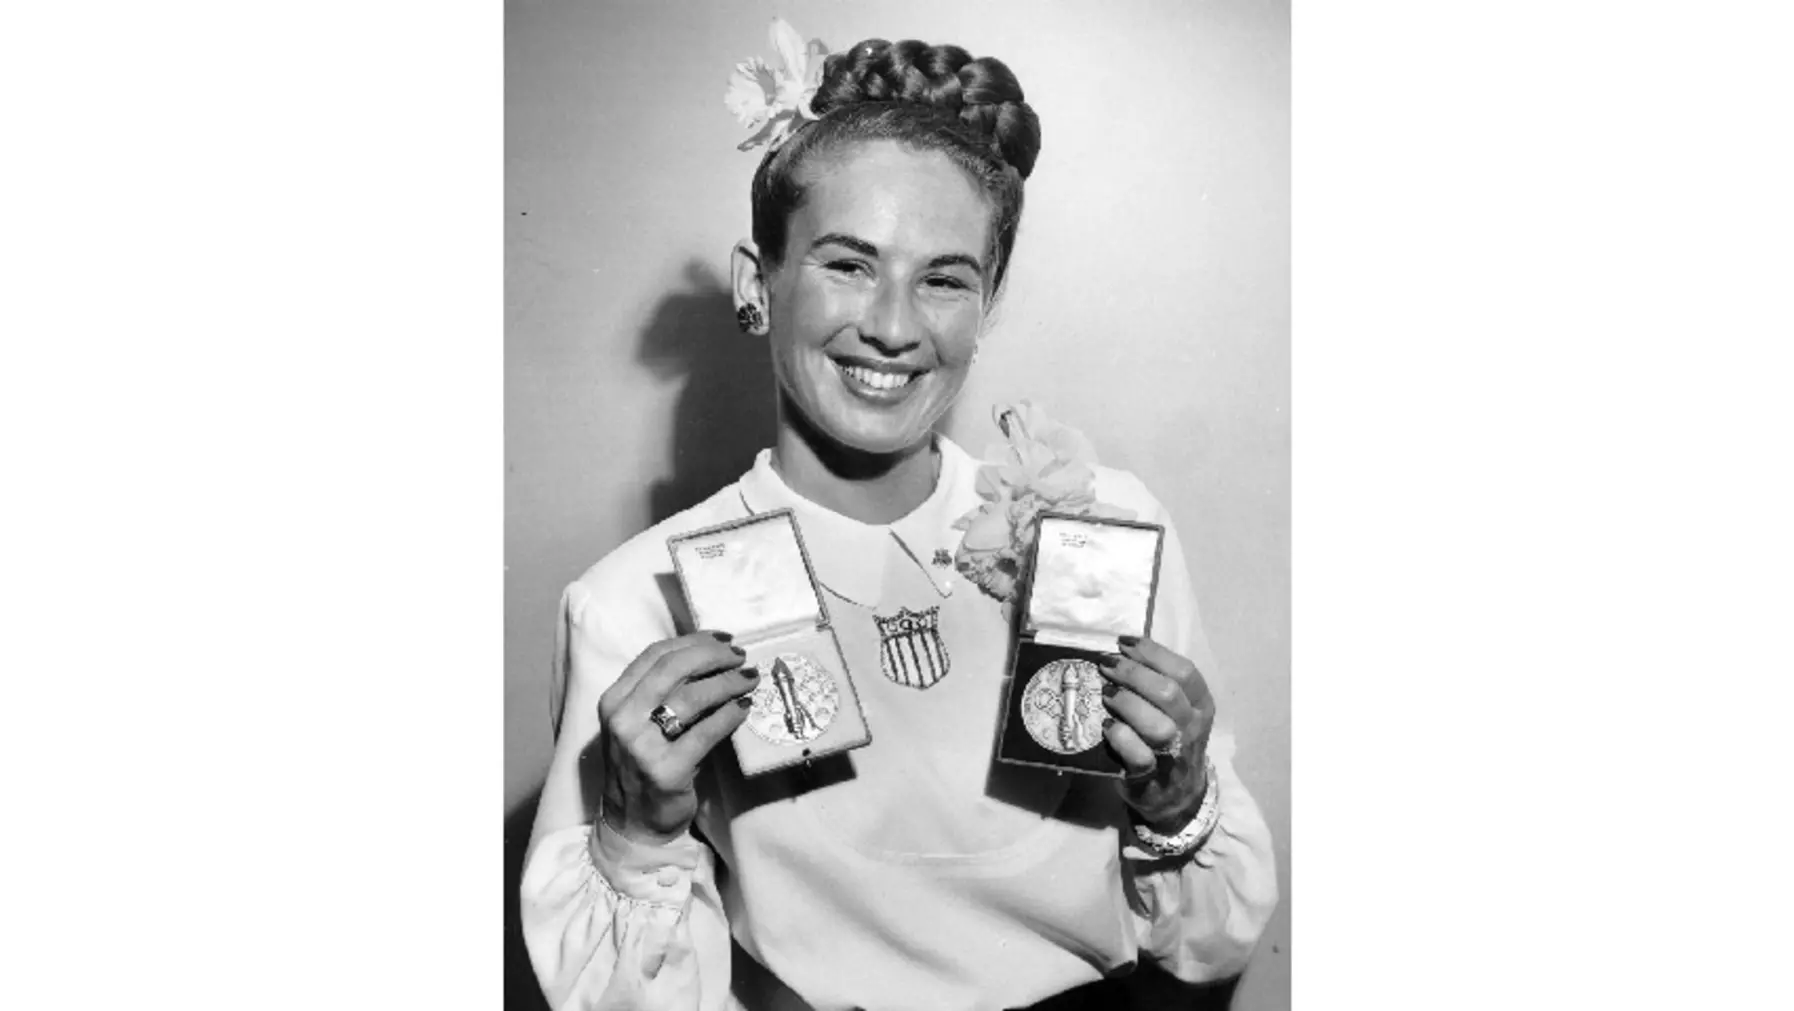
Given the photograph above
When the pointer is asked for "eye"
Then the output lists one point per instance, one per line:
(946, 282)
(850, 268)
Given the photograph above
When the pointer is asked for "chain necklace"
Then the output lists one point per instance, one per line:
(946, 590)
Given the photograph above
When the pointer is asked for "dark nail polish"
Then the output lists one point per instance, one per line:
(722, 636)
(745, 702)
(739, 651)
(1109, 661)
(752, 672)
(1129, 640)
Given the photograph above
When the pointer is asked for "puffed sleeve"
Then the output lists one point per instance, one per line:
(1200, 917)
(611, 923)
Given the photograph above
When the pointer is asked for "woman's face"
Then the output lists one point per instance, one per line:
(877, 308)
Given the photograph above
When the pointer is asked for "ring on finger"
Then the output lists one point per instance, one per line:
(1173, 747)
(668, 721)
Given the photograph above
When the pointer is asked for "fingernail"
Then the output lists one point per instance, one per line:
(752, 672)
(1129, 640)
(1109, 660)
(1110, 689)
(722, 636)
(739, 651)
(745, 702)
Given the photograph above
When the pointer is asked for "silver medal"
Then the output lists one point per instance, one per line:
(794, 702)
(1062, 706)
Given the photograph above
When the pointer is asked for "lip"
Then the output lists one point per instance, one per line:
(873, 394)
(888, 368)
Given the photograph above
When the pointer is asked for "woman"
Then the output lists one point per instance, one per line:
(926, 875)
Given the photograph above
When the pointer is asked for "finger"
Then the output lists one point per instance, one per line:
(641, 665)
(703, 736)
(672, 767)
(1130, 750)
(1166, 661)
(1152, 726)
(1166, 695)
(689, 662)
(693, 700)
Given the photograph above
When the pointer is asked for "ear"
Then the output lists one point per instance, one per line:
(748, 281)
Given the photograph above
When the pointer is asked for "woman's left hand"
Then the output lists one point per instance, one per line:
(1163, 715)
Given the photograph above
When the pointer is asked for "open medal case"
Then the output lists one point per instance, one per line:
(752, 578)
(1090, 582)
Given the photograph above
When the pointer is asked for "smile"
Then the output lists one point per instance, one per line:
(876, 382)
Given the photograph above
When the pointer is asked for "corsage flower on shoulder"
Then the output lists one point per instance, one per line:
(1043, 467)
(773, 103)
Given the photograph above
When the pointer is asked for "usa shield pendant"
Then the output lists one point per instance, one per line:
(910, 648)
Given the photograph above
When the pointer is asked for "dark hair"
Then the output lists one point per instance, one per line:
(934, 98)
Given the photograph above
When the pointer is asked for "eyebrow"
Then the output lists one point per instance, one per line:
(864, 248)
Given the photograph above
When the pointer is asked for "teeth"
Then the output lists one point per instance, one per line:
(878, 380)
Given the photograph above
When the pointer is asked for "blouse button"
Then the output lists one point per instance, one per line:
(669, 876)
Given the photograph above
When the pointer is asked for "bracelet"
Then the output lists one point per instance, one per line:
(1197, 831)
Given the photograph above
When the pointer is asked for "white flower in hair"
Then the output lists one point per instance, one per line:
(772, 103)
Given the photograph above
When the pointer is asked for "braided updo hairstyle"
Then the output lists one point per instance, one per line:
(932, 98)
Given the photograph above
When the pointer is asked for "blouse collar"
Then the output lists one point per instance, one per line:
(849, 557)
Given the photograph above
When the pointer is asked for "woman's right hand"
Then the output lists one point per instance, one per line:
(649, 791)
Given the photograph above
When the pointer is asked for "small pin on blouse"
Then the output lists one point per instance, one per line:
(942, 558)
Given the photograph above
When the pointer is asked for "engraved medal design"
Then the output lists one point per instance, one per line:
(1062, 706)
(910, 649)
(794, 702)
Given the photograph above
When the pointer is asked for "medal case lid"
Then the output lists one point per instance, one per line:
(1092, 581)
(750, 577)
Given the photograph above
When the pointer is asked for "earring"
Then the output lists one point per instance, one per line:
(749, 319)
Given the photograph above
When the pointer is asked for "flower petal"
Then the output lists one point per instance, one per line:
(790, 47)
(989, 484)
(987, 532)
(782, 123)
(764, 136)
(1069, 443)
(750, 92)
(1063, 479)
(1012, 419)
(816, 56)
(1033, 457)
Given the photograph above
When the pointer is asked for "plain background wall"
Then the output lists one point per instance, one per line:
(1148, 304)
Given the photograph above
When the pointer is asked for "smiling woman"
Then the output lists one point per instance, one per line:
(876, 308)
(917, 870)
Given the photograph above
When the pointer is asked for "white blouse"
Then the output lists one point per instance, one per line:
(929, 876)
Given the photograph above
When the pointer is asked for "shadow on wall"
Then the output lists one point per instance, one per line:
(723, 417)
(725, 412)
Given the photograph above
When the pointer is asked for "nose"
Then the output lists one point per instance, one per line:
(893, 323)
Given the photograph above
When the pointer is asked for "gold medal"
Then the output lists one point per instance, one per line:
(1062, 706)
(794, 702)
